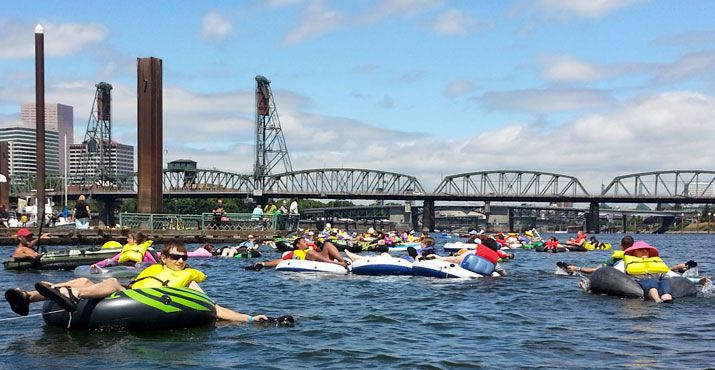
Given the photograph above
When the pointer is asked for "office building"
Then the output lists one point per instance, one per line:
(58, 117)
(118, 160)
(23, 149)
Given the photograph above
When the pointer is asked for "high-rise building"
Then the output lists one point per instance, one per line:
(58, 117)
(23, 149)
(118, 160)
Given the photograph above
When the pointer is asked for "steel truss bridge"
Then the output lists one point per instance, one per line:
(676, 186)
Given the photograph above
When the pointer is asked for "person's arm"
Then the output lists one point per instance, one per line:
(585, 270)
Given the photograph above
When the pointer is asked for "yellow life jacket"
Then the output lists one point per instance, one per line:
(134, 252)
(299, 254)
(647, 265)
(157, 276)
(617, 255)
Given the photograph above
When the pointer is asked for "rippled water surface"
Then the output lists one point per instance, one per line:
(529, 319)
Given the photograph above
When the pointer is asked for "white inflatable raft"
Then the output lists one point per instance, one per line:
(381, 265)
(310, 266)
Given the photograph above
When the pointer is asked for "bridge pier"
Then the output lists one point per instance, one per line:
(510, 216)
(428, 215)
(4, 172)
(624, 219)
(106, 211)
(592, 219)
(415, 219)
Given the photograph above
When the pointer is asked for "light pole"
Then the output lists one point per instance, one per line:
(710, 221)
(682, 223)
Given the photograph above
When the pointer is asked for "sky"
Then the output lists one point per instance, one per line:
(586, 88)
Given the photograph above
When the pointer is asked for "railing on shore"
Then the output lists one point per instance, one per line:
(206, 221)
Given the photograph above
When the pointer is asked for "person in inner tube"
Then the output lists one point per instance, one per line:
(25, 250)
(489, 250)
(427, 250)
(173, 257)
(302, 250)
(626, 242)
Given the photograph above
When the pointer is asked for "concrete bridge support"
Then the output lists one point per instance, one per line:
(106, 211)
(150, 147)
(428, 215)
(624, 219)
(592, 219)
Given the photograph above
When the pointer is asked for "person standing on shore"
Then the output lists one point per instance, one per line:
(218, 214)
(293, 215)
(82, 215)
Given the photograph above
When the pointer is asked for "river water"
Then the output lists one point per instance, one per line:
(532, 318)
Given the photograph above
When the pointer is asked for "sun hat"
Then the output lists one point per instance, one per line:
(652, 251)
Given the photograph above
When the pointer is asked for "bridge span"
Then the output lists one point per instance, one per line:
(675, 186)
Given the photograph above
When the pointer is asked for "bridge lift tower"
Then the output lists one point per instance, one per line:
(95, 158)
(271, 148)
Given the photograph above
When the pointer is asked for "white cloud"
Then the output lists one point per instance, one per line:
(547, 100)
(691, 66)
(582, 8)
(61, 39)
(397, 8)
(457, 88)
(568, 69)
(316, 20)
(215, 27)
(454, 22)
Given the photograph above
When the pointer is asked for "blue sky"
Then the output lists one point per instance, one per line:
(592, 89)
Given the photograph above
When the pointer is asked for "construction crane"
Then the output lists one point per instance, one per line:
(271, 148)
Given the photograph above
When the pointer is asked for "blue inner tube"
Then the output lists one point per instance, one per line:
(610, 281)
(136, 309)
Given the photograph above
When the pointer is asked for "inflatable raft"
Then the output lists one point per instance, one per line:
(119, 272)
(310, 266)
(382, 265)
(441, 269)
(67, 259)
(610, 281)
(136, 309)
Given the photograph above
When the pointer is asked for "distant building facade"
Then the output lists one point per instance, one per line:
(119, 160)
(58, 117)
(22, 149)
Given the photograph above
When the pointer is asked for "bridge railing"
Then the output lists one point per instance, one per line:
(240, 221)
(153, 221)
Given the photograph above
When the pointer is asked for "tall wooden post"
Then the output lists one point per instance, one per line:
(4, 174)
(40, 120)
(150, 137)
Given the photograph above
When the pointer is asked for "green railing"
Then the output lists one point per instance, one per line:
(204, 221)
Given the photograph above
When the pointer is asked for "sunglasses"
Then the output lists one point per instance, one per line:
(177, 257)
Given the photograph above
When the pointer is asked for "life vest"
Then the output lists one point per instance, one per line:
(647, 265)
(156, 276)
(487, 253)
(134, 252)
(299, 254)
(617, 255)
